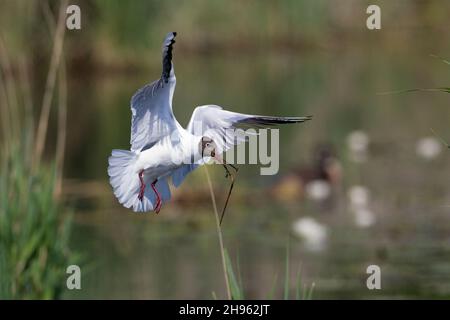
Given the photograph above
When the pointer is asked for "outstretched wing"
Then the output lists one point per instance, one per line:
(151, 106)
(218, 124)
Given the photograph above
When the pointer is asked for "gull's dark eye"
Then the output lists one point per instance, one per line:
(207, 144)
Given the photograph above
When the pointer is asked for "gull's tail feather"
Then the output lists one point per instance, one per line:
(126, 184)
(125, 181)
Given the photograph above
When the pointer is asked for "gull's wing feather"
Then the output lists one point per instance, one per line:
(151, 106)
(168, 43)
(181, 173)
(214, 122)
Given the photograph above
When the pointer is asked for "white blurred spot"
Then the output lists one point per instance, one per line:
(358, 196)
(364, 217)
(314, 233)
(318, 190)
(428, 148)
(358, 143)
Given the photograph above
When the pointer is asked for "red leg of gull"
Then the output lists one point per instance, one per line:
(158, 197)
(142, 186)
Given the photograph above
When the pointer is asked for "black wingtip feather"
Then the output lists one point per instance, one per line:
(271, 121)
(167, 55)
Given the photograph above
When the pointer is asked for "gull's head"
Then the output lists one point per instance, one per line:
(207, 147)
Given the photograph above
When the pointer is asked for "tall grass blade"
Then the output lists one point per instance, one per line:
(440, 138)
(219, 234)
(271, 294)
(440, 58)
(439, 89)
(286, 278)
(298, 289)
(310, 292)
(50, 84)
(236, 290)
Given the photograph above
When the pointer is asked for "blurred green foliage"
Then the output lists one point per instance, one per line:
(34, 222)
(34, 235)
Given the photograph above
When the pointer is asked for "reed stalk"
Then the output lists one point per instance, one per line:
(58, 41)
(34, 226)
(62, 130)
(219, 233)
(62, 108)
(9, 89)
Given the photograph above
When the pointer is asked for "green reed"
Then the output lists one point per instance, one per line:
(34, 231)
(34, 223)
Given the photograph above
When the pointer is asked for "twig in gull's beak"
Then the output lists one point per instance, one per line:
(228, 174)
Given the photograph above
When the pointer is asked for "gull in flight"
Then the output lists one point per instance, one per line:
(161, 149)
